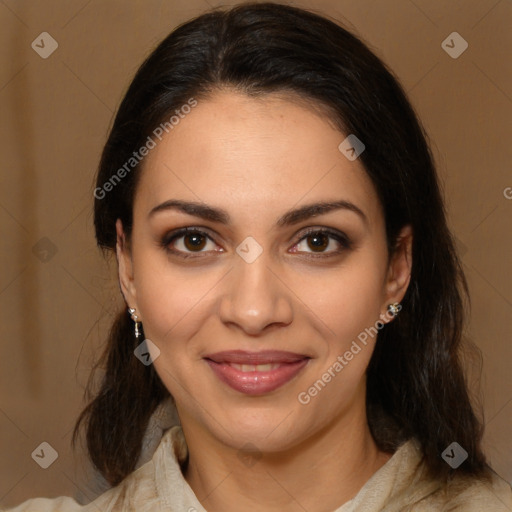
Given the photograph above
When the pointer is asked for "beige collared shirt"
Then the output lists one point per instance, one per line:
(398, 486)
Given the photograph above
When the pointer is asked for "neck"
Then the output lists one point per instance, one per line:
(339, 459)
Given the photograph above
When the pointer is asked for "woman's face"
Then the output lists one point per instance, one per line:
(264, 330)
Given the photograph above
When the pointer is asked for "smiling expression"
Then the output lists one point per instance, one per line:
(240, 339)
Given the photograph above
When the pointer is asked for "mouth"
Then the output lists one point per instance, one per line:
(256, 373)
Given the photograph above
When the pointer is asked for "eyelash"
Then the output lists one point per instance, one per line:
(341, 238)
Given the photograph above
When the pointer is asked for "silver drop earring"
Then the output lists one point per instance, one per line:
(135, 318)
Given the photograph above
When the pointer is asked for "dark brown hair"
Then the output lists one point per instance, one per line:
(415, 383)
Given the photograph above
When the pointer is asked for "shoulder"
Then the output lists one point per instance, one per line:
(150, 487)
(464, 493)
(137, 492)
(475, 495)
(155, 486)
(405, 486)
(62, 504)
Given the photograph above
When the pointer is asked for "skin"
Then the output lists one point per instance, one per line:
(258, 158)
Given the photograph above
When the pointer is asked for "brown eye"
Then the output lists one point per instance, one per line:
(323, 242)
(194, 241)
(188, 241)
(318, 242)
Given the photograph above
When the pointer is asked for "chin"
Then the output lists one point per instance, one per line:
(269, 431)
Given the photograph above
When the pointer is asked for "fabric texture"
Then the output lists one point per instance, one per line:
(163, 418)
(398, 486)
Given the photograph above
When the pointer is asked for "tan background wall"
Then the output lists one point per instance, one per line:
(56, 293)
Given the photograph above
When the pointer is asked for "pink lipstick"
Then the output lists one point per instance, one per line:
(256, 373)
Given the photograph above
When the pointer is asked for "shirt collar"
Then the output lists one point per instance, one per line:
(400, 478)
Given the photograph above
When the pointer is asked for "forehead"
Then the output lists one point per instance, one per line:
(270, 152)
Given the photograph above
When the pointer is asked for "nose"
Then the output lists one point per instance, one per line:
(255, 298)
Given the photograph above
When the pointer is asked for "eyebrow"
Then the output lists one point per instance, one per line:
(291, 217)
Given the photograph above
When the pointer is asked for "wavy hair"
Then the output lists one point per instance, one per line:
(415, 382)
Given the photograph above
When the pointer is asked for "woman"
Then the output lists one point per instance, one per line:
(289, 279)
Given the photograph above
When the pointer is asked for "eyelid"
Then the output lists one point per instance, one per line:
(178, 233)
(338, 236)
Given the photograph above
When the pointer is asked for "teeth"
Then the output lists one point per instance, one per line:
(254, 367)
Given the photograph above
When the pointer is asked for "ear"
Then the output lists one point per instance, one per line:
(125, 267)
(399, 270)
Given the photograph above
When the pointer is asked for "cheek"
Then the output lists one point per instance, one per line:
(348, 304)
(171, 304)
(347, 301)
(174, 303)
(173, 307)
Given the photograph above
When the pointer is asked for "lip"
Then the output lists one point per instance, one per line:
(255, 382)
